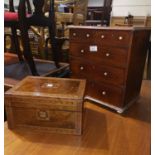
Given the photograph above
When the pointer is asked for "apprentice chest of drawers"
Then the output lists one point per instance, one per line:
(112, 60)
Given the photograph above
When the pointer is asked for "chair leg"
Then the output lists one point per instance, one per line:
(31, 63)
(46, 48)
(29, 58)
(27, 51)
(16, 44)
(55, 48)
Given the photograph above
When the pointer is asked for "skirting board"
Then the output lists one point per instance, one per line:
(118, 109)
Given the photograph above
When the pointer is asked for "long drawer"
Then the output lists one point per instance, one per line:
(104, 37)
(81, 68)
(107, 55)
(106, 93)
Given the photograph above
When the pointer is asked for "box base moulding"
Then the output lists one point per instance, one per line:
(37, 129)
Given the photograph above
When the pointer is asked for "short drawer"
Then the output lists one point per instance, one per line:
(97, 72)
(115, 38)
(103, 54)
(105, 93)
(82, 35)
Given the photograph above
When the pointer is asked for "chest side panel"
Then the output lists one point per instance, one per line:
(136, 64)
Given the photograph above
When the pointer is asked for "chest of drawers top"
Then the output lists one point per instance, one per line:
(132, 28)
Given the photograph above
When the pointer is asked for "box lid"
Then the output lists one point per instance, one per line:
(49, 87)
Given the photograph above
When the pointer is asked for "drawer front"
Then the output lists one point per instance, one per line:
(103, 37)
(99, 73)
(113, 38)
(81, 35)
(106, 93)
(107, 55)
(47, 120)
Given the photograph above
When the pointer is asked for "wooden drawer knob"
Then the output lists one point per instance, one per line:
(82, 51)
(107, 54)
(102, 36)
(74, 34)
(81, 68)
(87, 35)
(104, 93)
(89, 13)
(105, 73)
(120, 38)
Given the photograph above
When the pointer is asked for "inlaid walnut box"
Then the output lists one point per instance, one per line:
(46, 104)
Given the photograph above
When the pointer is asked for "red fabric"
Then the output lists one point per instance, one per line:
(10, 16)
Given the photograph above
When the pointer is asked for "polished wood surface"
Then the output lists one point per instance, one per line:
(136, 62)
(112, 60)
(105, 133)
(118, 28)
(118, 55)
(46, 104)
(10, 58)
(104, 73)
(48, 87)
(106, 37)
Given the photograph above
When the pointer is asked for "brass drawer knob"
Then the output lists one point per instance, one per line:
(87, 35)
(107, 54)
(104, 93)
(102, 36)
(74, 34)
(82, 51)
(81, 68)
(120, 38)
(105, 73)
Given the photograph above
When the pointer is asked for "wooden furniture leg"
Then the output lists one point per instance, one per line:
(16, 43)
(27, 51)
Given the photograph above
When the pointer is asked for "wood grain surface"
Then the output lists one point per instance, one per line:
(109, 58)
(47, 104)
(105, 133)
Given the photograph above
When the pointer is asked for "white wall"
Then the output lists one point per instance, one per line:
(134, 7)
(124, 7)
(121, 7)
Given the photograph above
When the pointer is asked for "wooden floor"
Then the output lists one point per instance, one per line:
(105, 133)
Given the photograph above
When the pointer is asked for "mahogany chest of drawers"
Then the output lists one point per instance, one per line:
(112, 60)
(46, 104)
